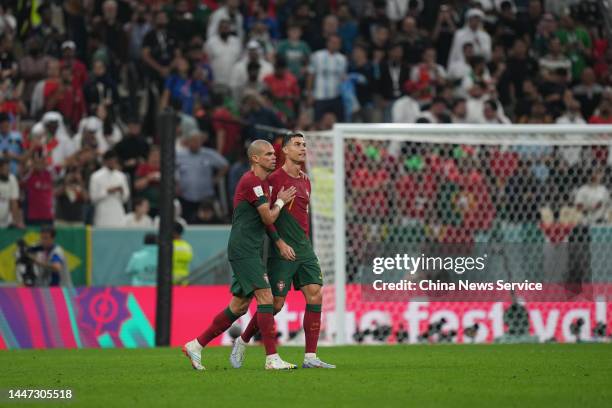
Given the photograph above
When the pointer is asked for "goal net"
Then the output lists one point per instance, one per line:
(534, 199)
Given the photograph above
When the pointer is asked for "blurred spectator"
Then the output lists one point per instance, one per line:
(295, 51)
(101, 89)
(491, 114)
(181, 85)
(182, 255)
(519, 67)
(473, 33)
(136, 30)
(588, 92)
(348, 28)
(79, 71)
(603, 114)
(11, 147)
(429, 74)
(223, 50)
(554, 60)
(112, 33)
(460, 68)
(459, 111)
(230, 13)
(412, 40)
(444, 31)
(361, 72)
(158, 50)
(140, 216)
(284, 90)
(593, 198)
(50, 259)
(142, 266)
(252, 84)
(38, 186)
(254, 112)
(240, 71)
(147, 177)
(406, 109)
(198, 170)
(437, 113)
(9, 197)
(545, 32)
(207, 215)
(227, 129)
(326, 72)
(577, 42)
(33, 67)
(393, 75)
(67, 99)
(109, 191)
(133, 149)
(71, 198)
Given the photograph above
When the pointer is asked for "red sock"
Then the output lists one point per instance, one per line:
(265, 321)
(220, 323)
(250, 330)
(312, 327)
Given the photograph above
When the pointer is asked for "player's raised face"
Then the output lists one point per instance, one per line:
(295, 150)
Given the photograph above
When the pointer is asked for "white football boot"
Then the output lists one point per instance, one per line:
(238, 351)
(193, 351)
(274, 362)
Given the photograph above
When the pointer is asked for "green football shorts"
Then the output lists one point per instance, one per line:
(301, 273)
(247, 275)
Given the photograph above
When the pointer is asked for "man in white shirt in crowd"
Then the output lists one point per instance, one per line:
(223, 50)
(593, 198)
(109, 191)
(230, 13)
(473, 33)
(406, 109)
(326, 72)
(9, 196)
(240, 77)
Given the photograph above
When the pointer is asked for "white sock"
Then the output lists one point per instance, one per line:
(272, 356)
(197, 345)
(240, 340)
(309, 355)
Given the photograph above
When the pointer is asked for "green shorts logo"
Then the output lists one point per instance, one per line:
(265, 276)
(280, 285)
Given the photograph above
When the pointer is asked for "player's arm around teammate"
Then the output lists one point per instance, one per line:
(292, 260)
(251, 213)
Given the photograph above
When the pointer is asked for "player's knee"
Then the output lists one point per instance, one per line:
(314, 297)
(241, 309)
(264, 297)
(278, 304)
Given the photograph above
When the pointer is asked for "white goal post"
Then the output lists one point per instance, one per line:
(329, 163)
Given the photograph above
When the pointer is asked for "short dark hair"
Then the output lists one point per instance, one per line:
(138, 201)
(178, 228)
(48, 229)
(287, 138)
(150, 238)
(109, 155)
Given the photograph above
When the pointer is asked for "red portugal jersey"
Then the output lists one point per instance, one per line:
(292, 224)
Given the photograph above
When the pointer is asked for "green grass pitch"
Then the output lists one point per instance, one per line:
(538, 375)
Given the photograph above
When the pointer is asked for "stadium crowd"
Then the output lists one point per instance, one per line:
(82, 83)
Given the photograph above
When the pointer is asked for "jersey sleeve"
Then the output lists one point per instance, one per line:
(254, 192)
